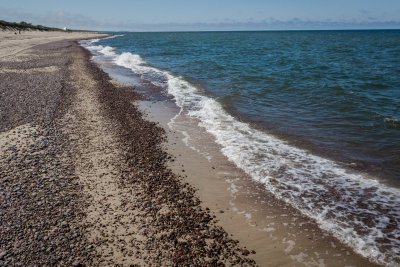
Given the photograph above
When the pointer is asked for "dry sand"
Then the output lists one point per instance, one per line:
(13, 44)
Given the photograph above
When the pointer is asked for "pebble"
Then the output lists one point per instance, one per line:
(181, 234)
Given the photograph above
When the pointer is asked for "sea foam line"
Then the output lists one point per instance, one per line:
(360, 212)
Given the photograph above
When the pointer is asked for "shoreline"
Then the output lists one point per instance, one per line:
(84, 176)
(369, 170)
(96, 181)
(360, 212)
(279, 234)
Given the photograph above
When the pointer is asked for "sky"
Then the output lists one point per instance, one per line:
(188, 15)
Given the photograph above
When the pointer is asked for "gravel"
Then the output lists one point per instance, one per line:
(44, 203)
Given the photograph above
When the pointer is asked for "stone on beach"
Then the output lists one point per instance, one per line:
(83, 175)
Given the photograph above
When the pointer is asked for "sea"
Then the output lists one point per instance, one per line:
(314, 116)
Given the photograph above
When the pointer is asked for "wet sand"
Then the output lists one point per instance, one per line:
(279, 234)
(84, 177)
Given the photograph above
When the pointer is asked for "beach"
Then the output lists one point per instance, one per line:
(83, 176)
(280, 234)
(92, 174)
(247, 108)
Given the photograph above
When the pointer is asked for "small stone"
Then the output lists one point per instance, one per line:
(77, 264)
(2, 254)
(245, 252)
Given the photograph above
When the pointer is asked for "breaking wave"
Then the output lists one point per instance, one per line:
(361, 212)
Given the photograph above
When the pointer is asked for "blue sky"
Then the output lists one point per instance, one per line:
(164, 15)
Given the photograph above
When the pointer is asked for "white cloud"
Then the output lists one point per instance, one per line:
(79, 21)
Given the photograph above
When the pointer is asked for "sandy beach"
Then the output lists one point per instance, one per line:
(89, 179)
(84, 178)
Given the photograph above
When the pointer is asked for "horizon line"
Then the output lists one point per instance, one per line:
(249, 30)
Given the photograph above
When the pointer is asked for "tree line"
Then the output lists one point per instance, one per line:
(24, 26)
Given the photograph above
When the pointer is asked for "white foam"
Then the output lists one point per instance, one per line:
(320, 188)
(290, 245)
(108, 51)
(112, 37)
(130, 61)
(392, 121)
(94, 47)
(269, 229)
(90, 42)
(105, 50)
(102, 50)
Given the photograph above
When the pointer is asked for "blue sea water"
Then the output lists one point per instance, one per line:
(334, 90)
(314, 115)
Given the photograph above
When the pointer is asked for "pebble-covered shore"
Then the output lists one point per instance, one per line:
(83, 176)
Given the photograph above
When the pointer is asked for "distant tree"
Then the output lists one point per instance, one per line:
(24, 26)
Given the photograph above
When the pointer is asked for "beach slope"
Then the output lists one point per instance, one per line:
(83, 176)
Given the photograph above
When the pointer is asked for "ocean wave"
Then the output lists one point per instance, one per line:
(108, 51)
(129, 60)
(392, 121)
(360, 212)
(113, 36)
(105, 50)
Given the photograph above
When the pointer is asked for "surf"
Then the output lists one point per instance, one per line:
(357, 209)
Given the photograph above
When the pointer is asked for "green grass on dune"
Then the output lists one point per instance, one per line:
(24, 26)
